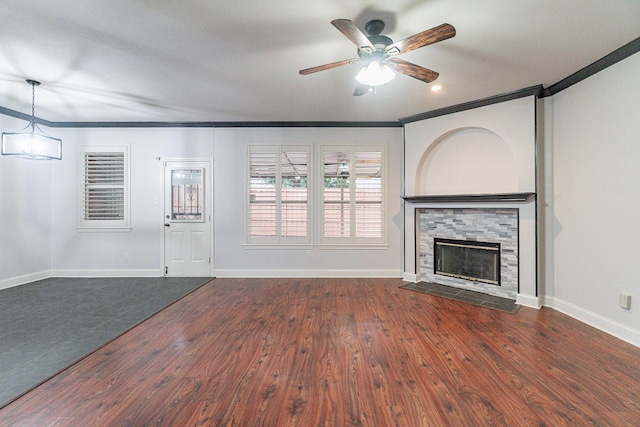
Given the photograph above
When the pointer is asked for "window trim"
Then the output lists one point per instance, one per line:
(85, 225)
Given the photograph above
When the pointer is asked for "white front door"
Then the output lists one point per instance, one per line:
(187, 218)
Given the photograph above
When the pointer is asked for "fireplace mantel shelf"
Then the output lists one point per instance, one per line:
(470, 198)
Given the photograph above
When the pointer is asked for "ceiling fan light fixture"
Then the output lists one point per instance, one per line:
(343, 169)
(31, 142)
(374, 74)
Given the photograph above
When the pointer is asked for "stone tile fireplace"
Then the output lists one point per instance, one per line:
(470, 227)
(484, 232)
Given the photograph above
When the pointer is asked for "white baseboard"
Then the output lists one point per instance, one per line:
(22, 280)
(229, 273)
(528, 301)
(410, 277)
(618, 330)
(108, 273)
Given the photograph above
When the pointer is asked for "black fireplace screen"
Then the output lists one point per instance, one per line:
(467, 259)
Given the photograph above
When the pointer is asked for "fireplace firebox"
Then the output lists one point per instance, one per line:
(467, 259)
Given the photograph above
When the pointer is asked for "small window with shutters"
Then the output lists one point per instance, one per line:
(104, 189)
(278, 191)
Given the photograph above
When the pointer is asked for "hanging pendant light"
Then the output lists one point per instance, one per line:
(31, 142)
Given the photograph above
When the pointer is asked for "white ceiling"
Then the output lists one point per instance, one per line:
(238, 60)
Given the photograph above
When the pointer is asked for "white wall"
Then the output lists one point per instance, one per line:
(46, 240)
(233, 258)
(101, 253)
(486, 150)
(592, 204)
(25, 209)
(596, 205)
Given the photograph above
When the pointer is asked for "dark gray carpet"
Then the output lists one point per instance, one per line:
(46, 326)
(471, 297)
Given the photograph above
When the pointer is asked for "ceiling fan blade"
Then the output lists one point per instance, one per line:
(353, 33)
(433, 35)
(328, 66)
(413, 70)
(361, 89)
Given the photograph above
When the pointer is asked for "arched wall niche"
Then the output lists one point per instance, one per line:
(467, 160)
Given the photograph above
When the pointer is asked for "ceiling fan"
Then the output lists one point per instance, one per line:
(379, 53)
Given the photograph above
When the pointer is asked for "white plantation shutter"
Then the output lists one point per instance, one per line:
(262, 193)
(294, 194)
(369, 194)
(278, 208)
(104, 188)
(353, 195)
(349, 207)
(336, 195)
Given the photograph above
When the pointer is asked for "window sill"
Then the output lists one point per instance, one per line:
(354, 246)
(104, 229)
(252, 246)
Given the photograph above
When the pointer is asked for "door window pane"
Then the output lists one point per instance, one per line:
(187, 195)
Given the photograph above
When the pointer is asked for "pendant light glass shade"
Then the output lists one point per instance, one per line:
(373, 74)
(31, 145)
(31, 142)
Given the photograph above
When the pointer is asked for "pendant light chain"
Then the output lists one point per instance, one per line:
(33, 101)
(33, 84)
(33, 106)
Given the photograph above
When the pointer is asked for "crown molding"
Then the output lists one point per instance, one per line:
(520, 93)
(614, 57)
(204, 124)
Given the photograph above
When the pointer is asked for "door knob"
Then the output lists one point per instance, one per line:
(167, 225)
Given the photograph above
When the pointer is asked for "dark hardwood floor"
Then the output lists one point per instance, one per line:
(339, 352)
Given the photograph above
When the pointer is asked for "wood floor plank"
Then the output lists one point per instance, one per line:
(335, 352)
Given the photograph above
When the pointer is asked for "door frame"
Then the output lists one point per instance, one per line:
(209, 206)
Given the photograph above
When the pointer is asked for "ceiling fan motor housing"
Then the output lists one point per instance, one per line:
(374, 27)
(380, 42)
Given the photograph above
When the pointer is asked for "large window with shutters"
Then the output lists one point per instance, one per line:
(353, 195)
(104, 188)
(278, 195)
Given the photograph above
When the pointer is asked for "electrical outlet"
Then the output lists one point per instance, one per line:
(125, 257)
(624, 301)
(308, 254)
